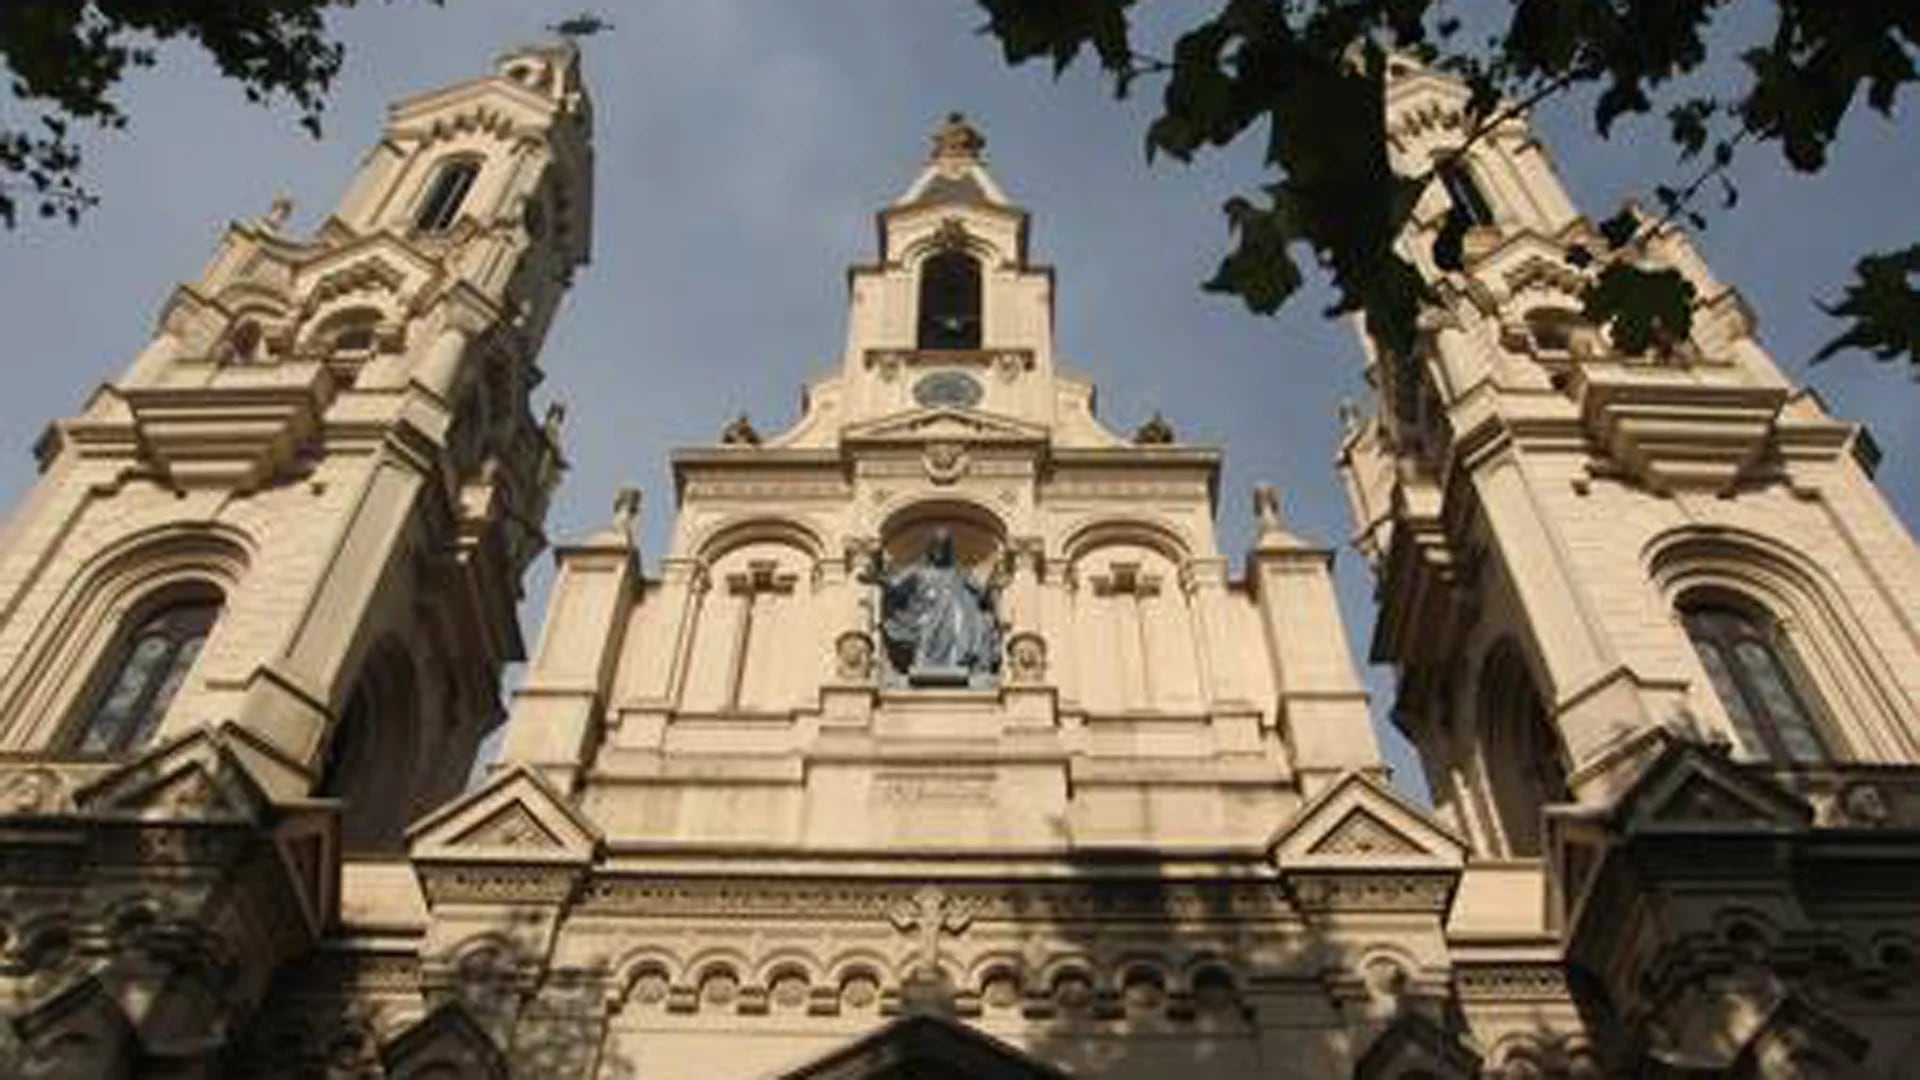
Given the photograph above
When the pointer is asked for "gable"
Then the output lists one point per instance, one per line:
(1360, 822)
(1692, 788)
(517, 816)
(196, 776)
(926, 1047)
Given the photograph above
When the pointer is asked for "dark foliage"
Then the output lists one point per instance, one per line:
(64, 59)
(1311, 75)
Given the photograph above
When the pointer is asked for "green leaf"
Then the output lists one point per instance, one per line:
(1642, 309)
(1884, 306)
(1259, 270)
(1059, 30)
(1619, 229)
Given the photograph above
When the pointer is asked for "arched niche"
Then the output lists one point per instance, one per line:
(950, 301)
(754, 644)
(979, 535)
(1136, 640)
(1522, 760)
(373, 751)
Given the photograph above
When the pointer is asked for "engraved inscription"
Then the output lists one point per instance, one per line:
(919, 787)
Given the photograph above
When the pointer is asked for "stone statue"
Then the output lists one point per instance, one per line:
(938, 622)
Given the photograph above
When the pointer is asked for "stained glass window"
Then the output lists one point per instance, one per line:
(1752, 675)
(149, 670)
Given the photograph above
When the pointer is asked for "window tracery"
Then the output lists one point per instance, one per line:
(147, 674)
(1752, 673)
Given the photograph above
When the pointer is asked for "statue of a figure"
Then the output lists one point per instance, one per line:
(938, 622)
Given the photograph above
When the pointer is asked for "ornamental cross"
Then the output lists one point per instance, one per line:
(932, 913)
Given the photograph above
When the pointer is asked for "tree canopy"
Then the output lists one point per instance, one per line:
(64, 59)
(1312, 74)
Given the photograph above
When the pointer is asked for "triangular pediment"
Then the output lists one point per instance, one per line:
(925, 1047)
(196, 776)
(944, 425)
(447, 1042)
(1359, 821)
(515, 817)
(1690, 788)
(1363, 833)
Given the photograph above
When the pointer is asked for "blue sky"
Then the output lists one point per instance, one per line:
(742, 149)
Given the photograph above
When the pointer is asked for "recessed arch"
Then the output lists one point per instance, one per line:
(1523, 763)
(726, 536)
(81, 625)
(444, 194)
(1845, 669)
(951, 300)
(979, 532)
(1102, 531)
(372, 762)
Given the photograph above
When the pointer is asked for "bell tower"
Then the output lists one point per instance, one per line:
(1650, 616)
(1577, 546)
(303, 511)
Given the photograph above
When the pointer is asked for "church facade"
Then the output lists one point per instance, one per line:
(943, 739)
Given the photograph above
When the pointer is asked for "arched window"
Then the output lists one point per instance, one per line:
(445, 194)
(950, 302)
(1465, 192)
(1525, 766)
(370, 764)
(148, 670)
(1753, 674)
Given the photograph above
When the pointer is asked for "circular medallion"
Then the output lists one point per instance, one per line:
(948, 389)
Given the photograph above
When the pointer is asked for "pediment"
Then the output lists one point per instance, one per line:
(1360, 822)
(944, 425)
(1416, 1046)
(926, 1047)
(515, 817)
(1690, 788)
(447, 1042)
(196, 776)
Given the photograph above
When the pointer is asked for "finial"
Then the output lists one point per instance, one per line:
(956, 140)
(1155, 432)
(740, 433)
(277, 213)
(626, 508)
(1266, 508)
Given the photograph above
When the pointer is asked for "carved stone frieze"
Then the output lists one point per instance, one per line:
(1512, 982)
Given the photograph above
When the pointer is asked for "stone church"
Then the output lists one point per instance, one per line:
(943, 740)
